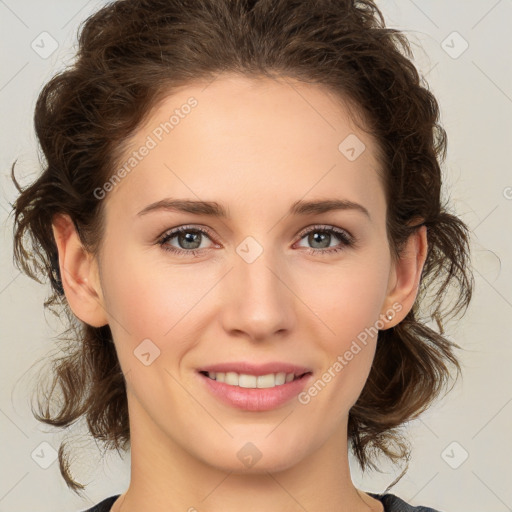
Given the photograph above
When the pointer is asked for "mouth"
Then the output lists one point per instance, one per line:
(255, 388)
(249, 381)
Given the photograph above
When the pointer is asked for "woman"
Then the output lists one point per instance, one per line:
(241, 214)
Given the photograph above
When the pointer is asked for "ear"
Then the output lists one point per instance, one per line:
(404, 278)
(79, 273)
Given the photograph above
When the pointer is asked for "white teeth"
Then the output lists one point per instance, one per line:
(247, 381)
(231, 378)
(281, 378)
(252, 381)
(266, 381)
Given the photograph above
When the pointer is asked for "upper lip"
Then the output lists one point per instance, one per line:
(256, 369)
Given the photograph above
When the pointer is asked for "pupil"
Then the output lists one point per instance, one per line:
(321, 236)
(189, 238)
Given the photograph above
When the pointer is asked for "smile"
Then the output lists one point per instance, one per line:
(245, 380)
(269, 389)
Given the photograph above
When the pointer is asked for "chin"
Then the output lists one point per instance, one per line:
(256, 455)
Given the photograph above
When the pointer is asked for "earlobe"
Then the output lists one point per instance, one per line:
(405, 276)
(79, 273)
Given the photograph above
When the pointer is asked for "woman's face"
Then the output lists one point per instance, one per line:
(265, 289)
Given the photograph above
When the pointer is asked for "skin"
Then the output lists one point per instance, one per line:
(255, 146)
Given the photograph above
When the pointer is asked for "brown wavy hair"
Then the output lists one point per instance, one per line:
(134, 53)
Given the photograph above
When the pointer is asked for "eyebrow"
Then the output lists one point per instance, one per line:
(214, 209)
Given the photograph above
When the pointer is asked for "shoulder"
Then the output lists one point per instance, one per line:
(393, 503)
(104, 506)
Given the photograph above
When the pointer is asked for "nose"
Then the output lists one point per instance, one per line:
(259, 303)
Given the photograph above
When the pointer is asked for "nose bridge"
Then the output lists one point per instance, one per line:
(260, 304)
(257, 268)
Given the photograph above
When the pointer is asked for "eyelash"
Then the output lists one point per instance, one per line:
(347, 240)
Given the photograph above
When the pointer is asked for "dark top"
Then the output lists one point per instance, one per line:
(391, 503)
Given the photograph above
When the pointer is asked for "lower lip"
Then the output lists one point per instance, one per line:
(255, 399)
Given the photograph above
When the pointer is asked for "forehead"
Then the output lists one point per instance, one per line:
(243, 139)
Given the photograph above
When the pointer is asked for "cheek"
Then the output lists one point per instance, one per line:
(346, 300)
(149, 299)
(348, 303)
(158, 302)
(351, 312)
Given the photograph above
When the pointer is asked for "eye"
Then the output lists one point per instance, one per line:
(190, 240)
(187, 237)
(327, 233)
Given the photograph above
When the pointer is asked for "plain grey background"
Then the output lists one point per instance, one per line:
(462, 445)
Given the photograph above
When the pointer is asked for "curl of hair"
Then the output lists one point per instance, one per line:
(134, 53)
